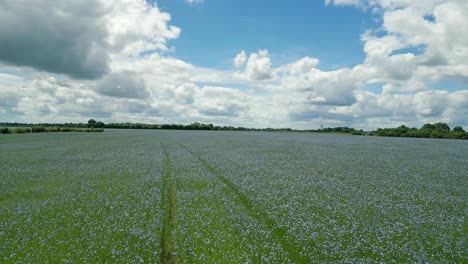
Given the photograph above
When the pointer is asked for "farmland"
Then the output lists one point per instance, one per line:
(139, 196)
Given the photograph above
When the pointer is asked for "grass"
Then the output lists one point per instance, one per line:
(228, 197)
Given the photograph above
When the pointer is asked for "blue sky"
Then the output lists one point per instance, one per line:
(214, 31)
(257, 63)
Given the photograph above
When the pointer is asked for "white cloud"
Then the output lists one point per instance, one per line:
(9, 97)
(135, 26)
(413, 48)
(391, 108)
(78, 38)
(220, 101)
(240, 60)
(316, 87)
(344, 2)
(61, 37)
(184, 93)
(124, 84)
(257, 67)
(192, 2)
(383, 5)
(301, 66)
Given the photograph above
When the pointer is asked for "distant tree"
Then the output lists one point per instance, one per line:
(403, 129)
(442, 126)
(428, 126)
(357, 132)
(458, 129)
(99, 124)
(437, 134)
(92, 123)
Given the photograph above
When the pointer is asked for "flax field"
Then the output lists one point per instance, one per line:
(154, 196)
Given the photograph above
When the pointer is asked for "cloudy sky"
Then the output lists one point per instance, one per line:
(262, 63)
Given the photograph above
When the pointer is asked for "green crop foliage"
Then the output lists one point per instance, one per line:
(160, 196)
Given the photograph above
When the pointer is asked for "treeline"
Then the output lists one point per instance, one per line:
(43, 129)
(46, 125)
(193, 126)
(438, 130)
(344, 130)
(201, 126)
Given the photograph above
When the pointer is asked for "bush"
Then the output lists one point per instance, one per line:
(357, 132)
(413, 133)
(425, 133)
(38, 129)
(438, 134)
(458, 129)
(456, 134)
(53, 129)
(22, 130)
(4, 130)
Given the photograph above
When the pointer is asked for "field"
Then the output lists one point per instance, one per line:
(136, 196)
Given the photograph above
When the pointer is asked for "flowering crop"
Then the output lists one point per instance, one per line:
(231, 197)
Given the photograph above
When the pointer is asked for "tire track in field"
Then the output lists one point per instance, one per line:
(277, 232)
(169, 204)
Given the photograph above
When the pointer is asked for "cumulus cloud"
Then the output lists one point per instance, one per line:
(65, 37)
(77, 38)
(184, 93)
(417, 46)
(299, 67)
(406, 56)
(137, 26)
(125, 84)
(11, 94)
(426, 106)
(414, 46)
(47, 99)
(240, 60)
(315, 87)
(220, 101)
(257, 67)
(120, 68)
(9, 99)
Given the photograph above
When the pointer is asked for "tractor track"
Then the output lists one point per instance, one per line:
(169, 206)
(277, 232)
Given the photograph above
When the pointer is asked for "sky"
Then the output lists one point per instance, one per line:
(298, 64)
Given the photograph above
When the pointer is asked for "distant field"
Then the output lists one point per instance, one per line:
(139, 196)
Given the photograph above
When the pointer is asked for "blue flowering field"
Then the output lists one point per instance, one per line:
(152, 196)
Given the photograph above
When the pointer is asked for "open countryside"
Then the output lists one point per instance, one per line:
(149, 196)
(234, 131)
